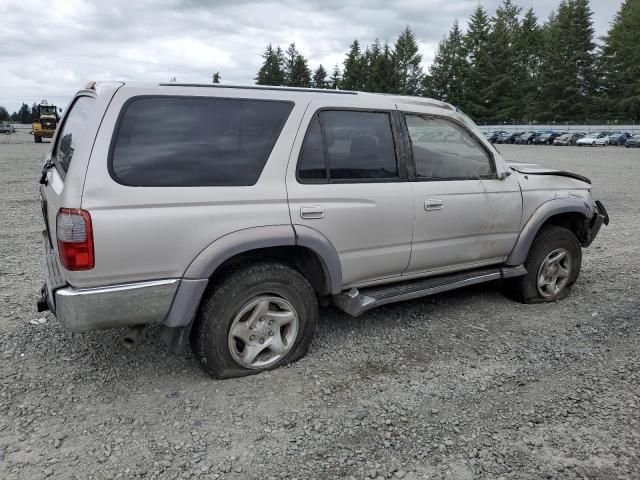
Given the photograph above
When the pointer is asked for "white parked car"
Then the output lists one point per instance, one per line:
(228, 214)
(594, 139)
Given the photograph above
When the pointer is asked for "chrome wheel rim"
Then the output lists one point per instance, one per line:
(554, 273)
(263, 332)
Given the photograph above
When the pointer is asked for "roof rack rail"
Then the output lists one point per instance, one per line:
(260, 87)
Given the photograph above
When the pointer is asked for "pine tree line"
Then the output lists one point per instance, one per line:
(376, 68)
(508, 67)
(23, 115)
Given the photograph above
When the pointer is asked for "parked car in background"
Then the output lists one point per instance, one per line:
(633, 141)
(7, 128)
(526, 138)
(279, 195)
(594, 139)
(619, 138)
(493, 136)
(568, 139)
(547, 138)
(508, 138)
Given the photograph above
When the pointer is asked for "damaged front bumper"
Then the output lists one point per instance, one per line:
(600, 216)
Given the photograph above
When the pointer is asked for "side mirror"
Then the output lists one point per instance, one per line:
(504, 174)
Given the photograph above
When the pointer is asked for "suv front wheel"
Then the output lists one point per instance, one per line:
(552, 267)
(258, 317)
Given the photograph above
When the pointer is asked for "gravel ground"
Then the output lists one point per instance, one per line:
(463, 385)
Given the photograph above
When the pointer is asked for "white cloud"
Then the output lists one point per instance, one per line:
(51, 51)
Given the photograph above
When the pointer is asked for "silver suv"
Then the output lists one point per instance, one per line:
(228, 214)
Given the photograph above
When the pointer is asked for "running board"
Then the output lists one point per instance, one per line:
(355, 302)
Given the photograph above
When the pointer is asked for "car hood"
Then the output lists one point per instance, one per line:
(535, 169)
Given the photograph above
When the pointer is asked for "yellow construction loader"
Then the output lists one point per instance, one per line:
(45, 125)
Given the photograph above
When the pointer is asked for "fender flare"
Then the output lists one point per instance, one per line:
(547, 210)
(196, 277)
(227, 246)
(324, 249)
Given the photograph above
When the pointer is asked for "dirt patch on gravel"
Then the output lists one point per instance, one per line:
(466, 384)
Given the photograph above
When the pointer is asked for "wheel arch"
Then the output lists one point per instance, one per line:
(571, 213)
(310, 253)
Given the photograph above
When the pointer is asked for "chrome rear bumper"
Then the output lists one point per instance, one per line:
(143, 303)
(80, 309)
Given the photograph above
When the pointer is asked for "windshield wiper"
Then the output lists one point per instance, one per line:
(48, 165)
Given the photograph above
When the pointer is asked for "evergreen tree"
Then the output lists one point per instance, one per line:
(335, 78)
(380, 67)
(620, 63)
(296, 68)
(4, 114)
(478, 63)
(567, 67)
(272, 70)
(215, 78)
(446, 75)
(320, 77)
(354, 74)
(501, 97)
(24, 114)
(408, 74)
(528, 47)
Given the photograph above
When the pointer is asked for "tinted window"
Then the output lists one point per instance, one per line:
(359, 145)
(444, 150)
(312, 164)
(72, 130)
(174, 141)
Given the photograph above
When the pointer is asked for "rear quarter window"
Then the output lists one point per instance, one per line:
(72, 131)
(186, 141)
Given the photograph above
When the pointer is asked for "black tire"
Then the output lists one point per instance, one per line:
(551, 237)
(37, 138)
(225, 299)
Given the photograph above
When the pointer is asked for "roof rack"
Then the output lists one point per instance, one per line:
(260, 87)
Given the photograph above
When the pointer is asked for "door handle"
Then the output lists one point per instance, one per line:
(431, 204)
(312, 212)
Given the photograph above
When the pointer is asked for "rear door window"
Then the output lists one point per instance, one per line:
(72, 130)
(356, 146)
(186, 141)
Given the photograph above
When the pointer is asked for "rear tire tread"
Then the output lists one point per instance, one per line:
(225, 297)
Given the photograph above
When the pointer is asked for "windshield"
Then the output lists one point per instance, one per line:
(47, 110)
(592, 135)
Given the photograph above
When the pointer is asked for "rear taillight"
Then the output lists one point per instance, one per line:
(75, 239)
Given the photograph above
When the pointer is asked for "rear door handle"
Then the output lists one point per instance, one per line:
(432, 204)
(312, 212)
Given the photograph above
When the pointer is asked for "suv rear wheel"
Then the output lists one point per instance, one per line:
(552, 267)
(257, 318)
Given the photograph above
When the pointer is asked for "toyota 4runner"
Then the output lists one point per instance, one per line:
(228, 214)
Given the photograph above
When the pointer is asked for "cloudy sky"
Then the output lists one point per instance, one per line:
(49, 49)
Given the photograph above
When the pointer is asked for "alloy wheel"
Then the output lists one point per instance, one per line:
(554, 273)
(263, 332)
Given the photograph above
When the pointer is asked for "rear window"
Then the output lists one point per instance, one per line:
(183, 141)
(72, 130)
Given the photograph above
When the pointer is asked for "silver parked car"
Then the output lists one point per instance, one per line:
(7, 128)
(228, 214)
(593, 139)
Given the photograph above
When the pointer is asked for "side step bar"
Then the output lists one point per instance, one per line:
(355, 302)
